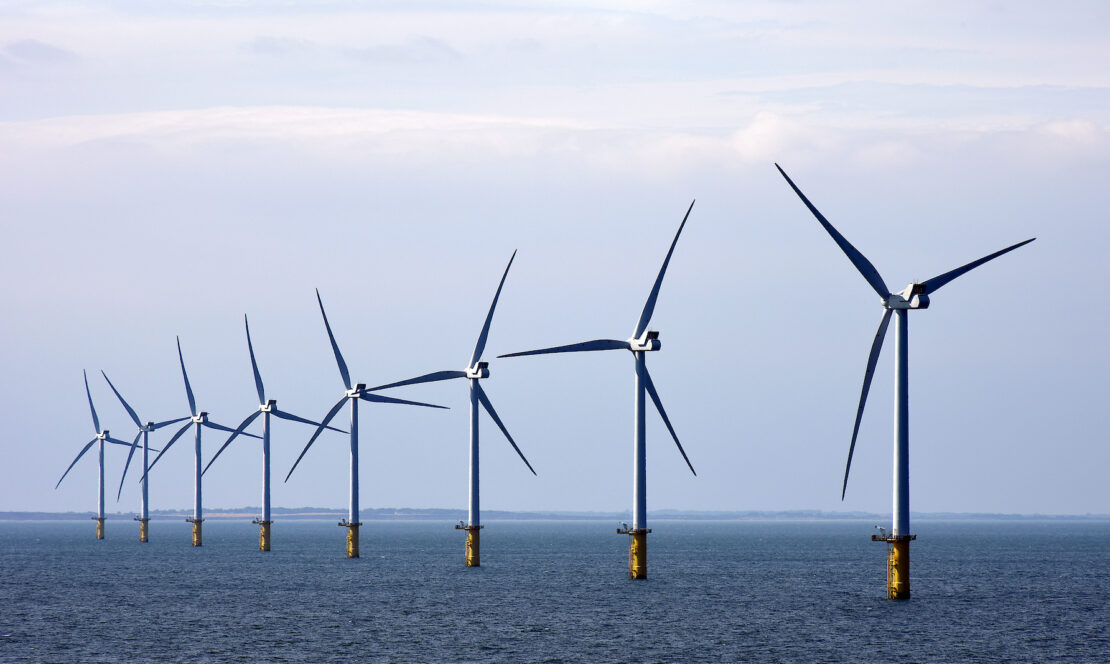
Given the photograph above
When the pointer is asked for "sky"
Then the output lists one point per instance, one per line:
(167, 168)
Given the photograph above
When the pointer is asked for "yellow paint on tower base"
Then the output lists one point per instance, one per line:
(263, 535)
(897, 566)
(473, 544)
(144, 535)
(99, 528)
(352, 537)
(637, 551)
(198, 539)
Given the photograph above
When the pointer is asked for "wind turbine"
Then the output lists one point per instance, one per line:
(914, 296)
(198, 420)
(266, 408)
(642, 341)
(475, 371)
(144, 431)
(352, 394)
(101, 437)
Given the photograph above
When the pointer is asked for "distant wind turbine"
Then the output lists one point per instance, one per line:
(266, 408)
(352, 394)
(914, 296)
(641, 342)
(475, 371)
(101, 437)
(144, 432)
(199, 420)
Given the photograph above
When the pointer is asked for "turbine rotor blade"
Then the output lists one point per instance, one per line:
(649, 306)
(159, 425)
(481, 345)
(868, 374)
(79, 455)
(859, 260)
(334, 346)
(219, 427)
(128, 408)
(666, 420)
(254, 365)
(188, 388)
(319, 430)
(238, 430)
(934, 284)
(596, 344)
(379, 398)
(426, 378)
(117, 441)
(484, 400)
(293, 418)
(127, 465)
(96, 420)
(173, 440)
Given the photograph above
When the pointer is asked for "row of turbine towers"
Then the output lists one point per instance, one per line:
(642, 341)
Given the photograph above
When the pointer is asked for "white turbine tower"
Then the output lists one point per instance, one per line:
(351, 394)
(642, 341)
(198, 420)
(914, 296)
(266, 408)
(101, 437)
(475, 371)
(144, 432)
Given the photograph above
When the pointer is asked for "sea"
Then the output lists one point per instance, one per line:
(553, 591)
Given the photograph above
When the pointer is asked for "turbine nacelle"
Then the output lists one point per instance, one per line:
(103, 435)
(356, 392)
(913, 297)
(648, 341)
(148, 427)
(478, 371)
(200, 418)
(268, 407)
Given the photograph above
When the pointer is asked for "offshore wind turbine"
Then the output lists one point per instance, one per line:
(102, 437)
(475, 370)
(351, 394)
(642, 341)
(144, 432)
(266, 408)
(914, 296)
(197, 420)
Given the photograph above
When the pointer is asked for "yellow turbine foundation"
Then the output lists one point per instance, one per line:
(263, 534)
(99, 528)
(198, 539)
(352, 537)
(144, 534)
(898, 565)
(473, 545)
(637, 551)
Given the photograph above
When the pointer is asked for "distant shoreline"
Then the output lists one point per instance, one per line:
(411, 514)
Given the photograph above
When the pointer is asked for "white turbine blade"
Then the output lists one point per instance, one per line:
(127, 465)
(126, 406)
(649, 306)
(188, 388)
(378, 398)
(484, 400)
(219, 427)
(868, 374)
(79, 455)
(596, 344)
(334, 346)
(315, 434)
(859, 260)
(481, 345)
(159, 425)
(426, 378)
(666, 420)
(96, 420)
(238, 430)
(934, 284)
(165, 449)
(254, 364)
(293, 418)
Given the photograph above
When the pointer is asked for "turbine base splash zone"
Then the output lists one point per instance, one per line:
(263, 534)
(352, 537)
(99, 527)
(473, 545)
(898, 565)
(637, 551)
(198, 539)
(144, 529)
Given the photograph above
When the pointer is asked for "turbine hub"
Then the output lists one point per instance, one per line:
(478, 371)
(268, 406)
(201, 417)
(356, 392)
(102, 435)
(647, 342)
(913, 297)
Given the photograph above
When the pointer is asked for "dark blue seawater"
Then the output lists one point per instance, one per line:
(553, 592)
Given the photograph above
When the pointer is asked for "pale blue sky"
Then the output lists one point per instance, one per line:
(164, 170)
